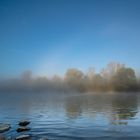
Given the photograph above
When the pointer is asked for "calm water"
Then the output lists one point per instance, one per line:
(73, 116)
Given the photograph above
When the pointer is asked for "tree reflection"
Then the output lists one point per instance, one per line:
(124, 108)
(118, 109)
(73, 107)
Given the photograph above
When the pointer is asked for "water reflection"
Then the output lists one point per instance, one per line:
(124, 108)
(117, 108)
(62, 114)
(73, 107)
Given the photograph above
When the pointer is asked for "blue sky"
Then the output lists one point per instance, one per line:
(50, 36)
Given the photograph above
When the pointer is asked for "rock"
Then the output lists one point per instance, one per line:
(23, 137)
(23, 123)
(4, 127)
(23, 128)
(2, 137)
(43, 138)
(5, 138)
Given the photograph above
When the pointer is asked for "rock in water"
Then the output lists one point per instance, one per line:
(2, 137)
(23, 137)
(23, 128)
(43, 138)
(4, 127)
(23, 123)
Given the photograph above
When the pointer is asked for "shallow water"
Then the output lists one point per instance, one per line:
(72, 116)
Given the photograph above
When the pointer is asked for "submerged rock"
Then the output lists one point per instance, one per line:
(23, 128)
(23, 137)
(23, 123)
(4, 127)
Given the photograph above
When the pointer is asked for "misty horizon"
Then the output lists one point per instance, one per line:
(114, 77)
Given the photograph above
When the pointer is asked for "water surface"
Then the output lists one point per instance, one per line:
(73, 116)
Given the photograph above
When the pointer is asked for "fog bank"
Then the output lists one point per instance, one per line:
(114, 77)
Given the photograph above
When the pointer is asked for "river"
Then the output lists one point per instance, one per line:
(73, 116)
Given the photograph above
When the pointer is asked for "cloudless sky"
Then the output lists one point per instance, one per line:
(50, 36)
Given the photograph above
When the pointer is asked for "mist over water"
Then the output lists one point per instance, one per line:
(114, 77)
(89, 106)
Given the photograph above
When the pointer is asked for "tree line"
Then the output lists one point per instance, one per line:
(114, 77)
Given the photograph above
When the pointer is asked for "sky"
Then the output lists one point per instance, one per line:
(50, 36)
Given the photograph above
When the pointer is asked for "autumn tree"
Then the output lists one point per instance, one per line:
(74, 79)
(108, 72)
(124, 80)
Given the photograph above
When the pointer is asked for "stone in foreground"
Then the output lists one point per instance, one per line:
(2, 137)
(43, 138)
(23, 137)
(23, 128)
(4, 127)
(23, 123)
